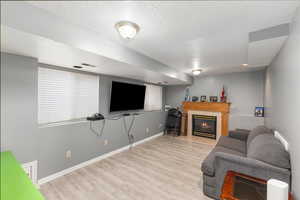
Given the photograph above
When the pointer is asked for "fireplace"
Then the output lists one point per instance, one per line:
(204, 126)
(219, 110)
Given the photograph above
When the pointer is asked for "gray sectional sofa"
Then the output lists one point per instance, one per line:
(255, 153)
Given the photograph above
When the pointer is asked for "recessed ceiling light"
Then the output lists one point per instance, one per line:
(127, 29)
(245, 65)
(196, 72)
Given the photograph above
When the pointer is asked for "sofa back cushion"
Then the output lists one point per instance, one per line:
(268, 149)
(259, 130)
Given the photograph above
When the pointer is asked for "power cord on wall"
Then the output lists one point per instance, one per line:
(128, 130)
(97, 117)
(101, 130)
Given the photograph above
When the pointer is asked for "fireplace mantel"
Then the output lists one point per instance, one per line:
(219, 107)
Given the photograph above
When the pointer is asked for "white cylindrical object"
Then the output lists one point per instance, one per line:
(277, 190)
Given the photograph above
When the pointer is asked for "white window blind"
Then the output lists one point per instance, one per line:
(66, 95)
(153, 97)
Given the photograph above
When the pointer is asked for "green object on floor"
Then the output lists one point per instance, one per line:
(15, 184)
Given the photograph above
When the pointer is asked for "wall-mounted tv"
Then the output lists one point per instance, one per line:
(126, 96)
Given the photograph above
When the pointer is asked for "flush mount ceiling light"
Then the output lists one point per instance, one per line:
(196, 72)
(127, 29)
(245, 65)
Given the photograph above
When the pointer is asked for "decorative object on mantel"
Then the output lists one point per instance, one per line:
(195, 98)
(223, 97)
(213, 99)
(187, 94)
(203, 98)
(224, 100)
(259, 112)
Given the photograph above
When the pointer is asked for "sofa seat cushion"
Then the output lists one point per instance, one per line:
(231, 143)
(268, 149)
(207, 166)
(259, 130)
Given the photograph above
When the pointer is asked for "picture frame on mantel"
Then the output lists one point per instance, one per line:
(213, 98)
(203, 98)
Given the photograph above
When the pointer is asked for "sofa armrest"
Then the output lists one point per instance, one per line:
(239, 134)
(225, 162)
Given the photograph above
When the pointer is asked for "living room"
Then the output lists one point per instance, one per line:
(150, 100)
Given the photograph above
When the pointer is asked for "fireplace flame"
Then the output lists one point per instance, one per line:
(204, 124)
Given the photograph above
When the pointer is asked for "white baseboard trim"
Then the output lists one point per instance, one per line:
(86, 163)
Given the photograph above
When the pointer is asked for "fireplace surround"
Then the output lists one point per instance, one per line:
(216, 115)
(217, 109)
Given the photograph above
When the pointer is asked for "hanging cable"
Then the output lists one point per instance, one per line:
(128, 130)
(95, 131)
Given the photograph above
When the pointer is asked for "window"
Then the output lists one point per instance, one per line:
(66, 95)
(153, 98)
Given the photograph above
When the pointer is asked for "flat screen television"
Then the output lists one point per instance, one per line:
(126, 96)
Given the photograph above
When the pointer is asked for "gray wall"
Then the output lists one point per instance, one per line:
(21, 134)
(282, 98)
(245, 91)
(19, 106)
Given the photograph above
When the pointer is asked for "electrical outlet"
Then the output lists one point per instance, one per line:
(105, 142)
(147, 130)
(160, 125)
(68, 154)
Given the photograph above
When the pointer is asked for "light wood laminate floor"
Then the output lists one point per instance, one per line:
(198, 139)
(162, 169)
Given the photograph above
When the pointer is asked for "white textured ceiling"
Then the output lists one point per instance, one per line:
(31, 31)
(212, 35)
(58, 54)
